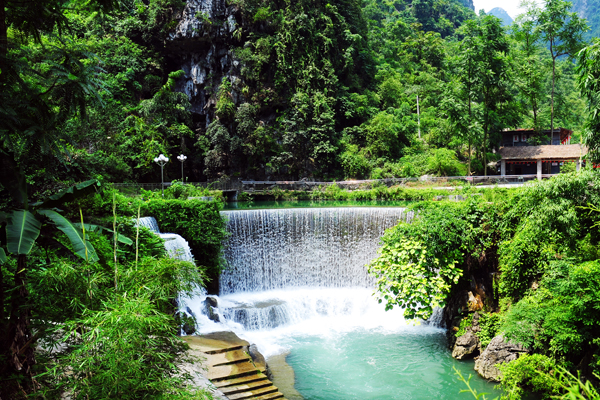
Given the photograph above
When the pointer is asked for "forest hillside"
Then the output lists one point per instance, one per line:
(278, 89)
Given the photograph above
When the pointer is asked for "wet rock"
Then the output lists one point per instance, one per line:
(202, 46)
(466, 346)
(457, 303)
(498, 351)
(188, 321)
(257, 357)
(475, 323)
(210, 307)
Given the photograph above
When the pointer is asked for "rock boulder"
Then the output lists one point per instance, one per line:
(211, 309)
(466, 346)
(498, 351)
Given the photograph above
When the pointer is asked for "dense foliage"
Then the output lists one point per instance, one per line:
(420, 261)
(97, 302)
(323, 90)
(532, 257)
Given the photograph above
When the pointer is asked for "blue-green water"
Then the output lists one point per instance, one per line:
(371, 365)
(247, 205)
(343, 345)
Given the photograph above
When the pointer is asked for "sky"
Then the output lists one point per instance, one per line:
(510, 6)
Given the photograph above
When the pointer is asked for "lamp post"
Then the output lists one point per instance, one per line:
(181, 158)
(161, 160)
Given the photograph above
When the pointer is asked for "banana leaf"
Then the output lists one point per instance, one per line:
(98, 228)
(2, 256)
(74, 192)
(22, 231)
(83, 249)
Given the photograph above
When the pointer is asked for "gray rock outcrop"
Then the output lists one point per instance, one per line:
(498, 351)
(211, 309)
(466, 346)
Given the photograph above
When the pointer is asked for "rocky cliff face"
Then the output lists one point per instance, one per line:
(502, 14)
(202, 45)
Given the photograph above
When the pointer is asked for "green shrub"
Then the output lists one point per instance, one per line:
(443, 162)
(199, 222)
(421, 261)
(489, 324)
(561, 318)
(531, 373)
(125, 351)
(464, 324)
(541, 222)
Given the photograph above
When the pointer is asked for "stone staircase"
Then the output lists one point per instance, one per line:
(232, 369)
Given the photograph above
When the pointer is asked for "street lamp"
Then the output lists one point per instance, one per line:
(161, 160)
(181, 158)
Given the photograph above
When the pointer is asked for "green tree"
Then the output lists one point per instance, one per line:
(563, 31)
(459, 103)
(483, 69)
(530, 68)
(588, 68)
(499, 108)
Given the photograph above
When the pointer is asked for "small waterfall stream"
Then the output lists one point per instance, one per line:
(175, 245)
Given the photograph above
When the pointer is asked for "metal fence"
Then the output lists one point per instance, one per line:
(305, 185)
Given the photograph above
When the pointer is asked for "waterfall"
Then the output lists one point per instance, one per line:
(175, 245)
(311, 247)
(150, 223)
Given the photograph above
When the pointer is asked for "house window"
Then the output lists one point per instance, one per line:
(515, 138)
(523, 138)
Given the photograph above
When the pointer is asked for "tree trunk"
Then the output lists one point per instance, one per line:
(484, 153)
(3, 41)
(534, 106)
(18, 348)
(469, 133)
(552, 95)
(469, 169)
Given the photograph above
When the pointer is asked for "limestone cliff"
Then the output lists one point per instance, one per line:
(202, 45)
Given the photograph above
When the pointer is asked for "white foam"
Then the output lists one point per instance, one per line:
(272, 319)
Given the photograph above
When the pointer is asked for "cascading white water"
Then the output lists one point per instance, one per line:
(287, 267)
(150, 223)
(175, 245)
(311, 247)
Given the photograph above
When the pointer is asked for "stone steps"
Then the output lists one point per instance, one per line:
(253, 393)
(231, 369)
(242, 387)
(228, 357)
(240, 381)
(270, 396)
